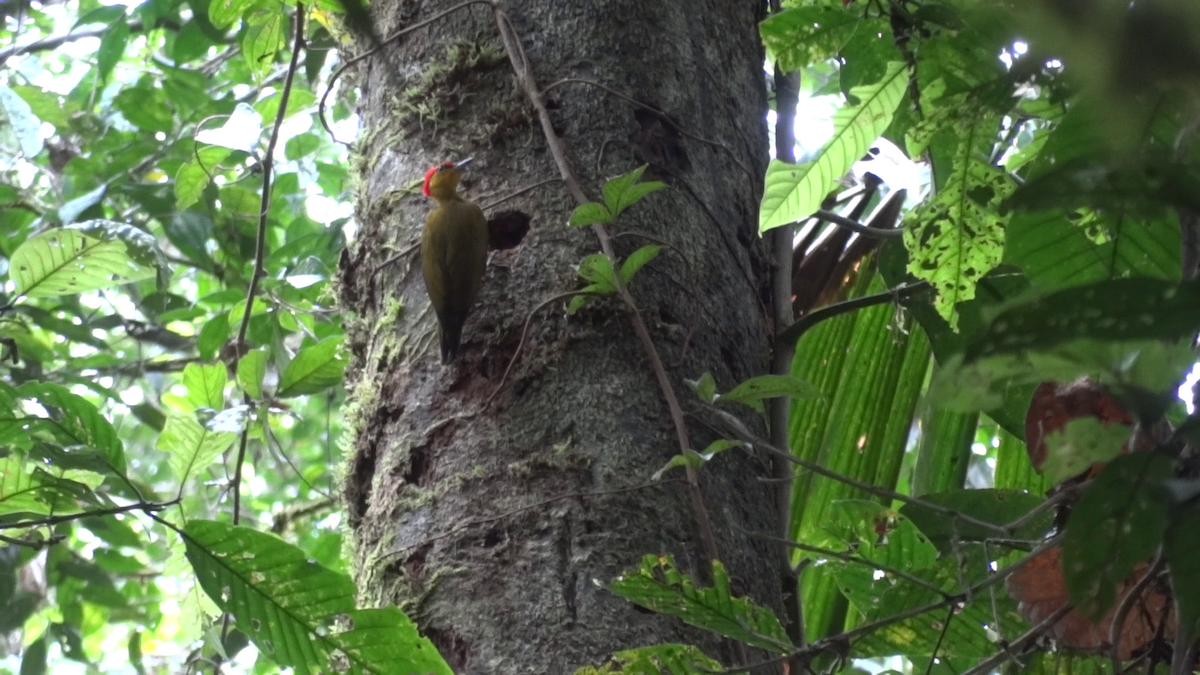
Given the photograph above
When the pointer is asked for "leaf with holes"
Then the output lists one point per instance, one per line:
(83, 257)
(1118, 523)
(795, 191)
(298, 613)
(957, 237)
(316, 368)
(658, 585)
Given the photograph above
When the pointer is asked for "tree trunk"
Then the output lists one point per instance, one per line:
(490, 524)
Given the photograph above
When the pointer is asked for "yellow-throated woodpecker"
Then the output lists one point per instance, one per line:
(454, 251)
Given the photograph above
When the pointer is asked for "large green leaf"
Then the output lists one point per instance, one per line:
(1120, 309)
(298, 613)
(83, 257)
(190, 446)
(1118, 523)
(795, 191)
(78, 421)
(316, 368)
(658, 585)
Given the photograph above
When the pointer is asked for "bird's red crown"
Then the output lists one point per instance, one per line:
(429, 175)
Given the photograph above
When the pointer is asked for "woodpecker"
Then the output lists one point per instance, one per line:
(454, 251)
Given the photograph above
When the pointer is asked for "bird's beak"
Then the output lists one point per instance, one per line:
(464, 163)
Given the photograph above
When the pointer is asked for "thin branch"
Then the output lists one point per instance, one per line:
(854, 559)
(524, 334)
(49, 521)
(662, 115)
(260, 245)
(787, 97)
(855, 226)
(1127, 602)
(1021, 643)
(898, 294)
(518, 193)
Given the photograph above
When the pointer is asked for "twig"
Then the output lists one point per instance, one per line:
(524, 334)
(260, 245)
(855, 226)
(661, 242)
(1021, 642)
(787, 98)
(853, 559)
(1118, 622)
(803, 324)
(520, 192)
(48, 521)
(941, 636)
(662, 115)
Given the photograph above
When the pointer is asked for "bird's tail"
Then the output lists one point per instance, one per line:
(450, 336)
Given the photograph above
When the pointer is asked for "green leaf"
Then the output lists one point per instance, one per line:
(664, 659)
(79, 420)
(213, 335)
(250, 372)
(316, 368)
(770, 386)
(1180, 546)
(191, 448)
(82, 257)
(659, 586)
(597, 268)
(192, 177)
(792, 192)
(1084, 441)
(705, 387)
(302, 615)
(958, 236)
(982, 384)
(146, 108)
(1119, 309)
(624, 191)
(20, 130)
(225, 13)
(636, 261)
(299, 100)
(112, 48)
(800, 36)
(205, 385)
(697, 459)
(590, 214)
(1118, 523)
(263, 38)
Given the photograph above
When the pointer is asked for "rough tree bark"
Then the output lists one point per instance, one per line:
(581, 412)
